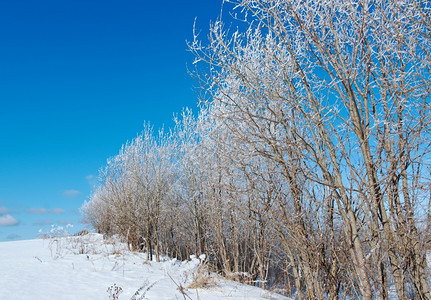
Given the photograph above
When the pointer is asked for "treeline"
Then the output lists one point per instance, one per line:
(307, 167)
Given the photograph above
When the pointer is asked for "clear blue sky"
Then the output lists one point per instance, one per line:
(78, 78)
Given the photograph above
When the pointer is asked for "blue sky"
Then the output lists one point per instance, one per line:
(77, 80)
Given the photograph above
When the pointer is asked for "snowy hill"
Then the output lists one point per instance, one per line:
(89, 267)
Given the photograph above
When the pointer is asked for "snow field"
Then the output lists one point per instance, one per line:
(89, 267)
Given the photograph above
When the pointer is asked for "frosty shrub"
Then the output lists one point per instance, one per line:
(307, 166)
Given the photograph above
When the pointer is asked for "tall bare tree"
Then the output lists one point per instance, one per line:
(308, 165)
(337, 93)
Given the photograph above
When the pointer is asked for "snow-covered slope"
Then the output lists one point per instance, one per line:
(89, 267)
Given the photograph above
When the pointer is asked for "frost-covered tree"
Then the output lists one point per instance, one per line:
(133, 188)
(307, 166)
(336, 94)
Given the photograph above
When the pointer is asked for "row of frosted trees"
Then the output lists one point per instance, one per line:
(308, 165)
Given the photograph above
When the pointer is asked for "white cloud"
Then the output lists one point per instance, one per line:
(37, 211)
(91, 179)
(65, 222)
(43, 222)
(4, 210)
(57, 211)
(42, 211)
(71, 194)
(8, 220)
(13, 236)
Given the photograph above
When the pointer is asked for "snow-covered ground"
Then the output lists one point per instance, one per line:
(89, 267)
